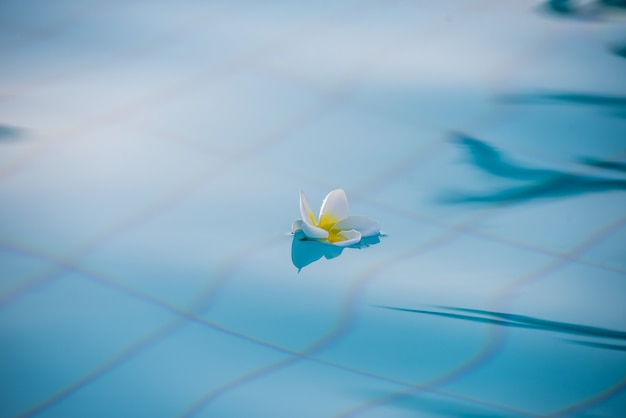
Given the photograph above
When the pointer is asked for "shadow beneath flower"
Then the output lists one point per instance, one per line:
(523, 321)
(538, 182)
(305, 251)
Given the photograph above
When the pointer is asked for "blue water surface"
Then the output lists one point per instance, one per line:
(151, 159)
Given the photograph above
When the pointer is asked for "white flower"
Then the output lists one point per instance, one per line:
(334, 225)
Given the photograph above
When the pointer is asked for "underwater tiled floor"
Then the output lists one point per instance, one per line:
(151, 158)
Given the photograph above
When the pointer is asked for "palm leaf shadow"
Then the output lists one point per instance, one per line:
(11, 133)
(615, 105)
(528, 322)
(538, 183)
(614, 347)
(582, 10)
(608, 165)
(619, 50)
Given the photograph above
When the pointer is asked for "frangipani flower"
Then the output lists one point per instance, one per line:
(334, 225)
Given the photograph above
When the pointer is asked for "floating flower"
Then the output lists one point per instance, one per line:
(334, 226)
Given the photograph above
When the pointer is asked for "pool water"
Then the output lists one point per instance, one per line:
(152, 155)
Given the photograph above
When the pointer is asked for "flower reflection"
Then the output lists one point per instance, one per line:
(305, 251)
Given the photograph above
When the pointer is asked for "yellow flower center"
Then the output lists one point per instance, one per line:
(334, 235)
(327, 222)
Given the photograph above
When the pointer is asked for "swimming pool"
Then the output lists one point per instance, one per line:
(151, 160)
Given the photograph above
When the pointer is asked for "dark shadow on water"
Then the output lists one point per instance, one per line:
(614, 347)
(570, 10)
(564, 186)
(619, 50)
(538, 183)
(11, 133)
(518, 321)
(615, 105)
(574, 9)
(429, 404)
(492, 161)
(560, 7)
(305, 251)
(608, 165)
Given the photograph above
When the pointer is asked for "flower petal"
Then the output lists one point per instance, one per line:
(310, 231)
(334, 208)
(351, 237)
(296, 226)
(305, 210)
(364, 225)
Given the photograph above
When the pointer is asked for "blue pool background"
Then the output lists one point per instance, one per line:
(151, 158)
